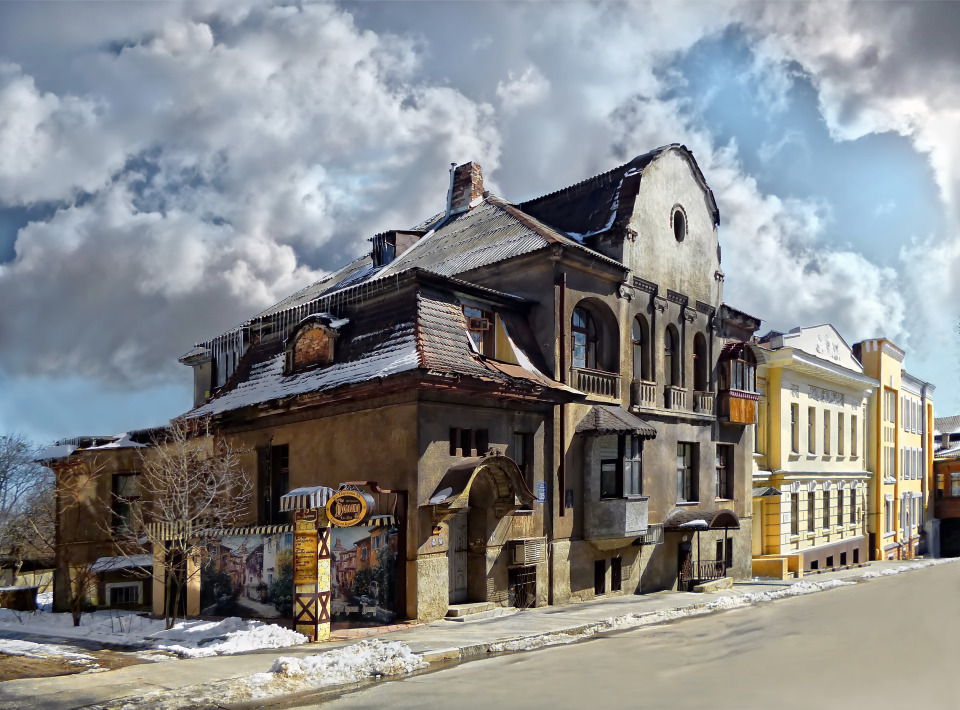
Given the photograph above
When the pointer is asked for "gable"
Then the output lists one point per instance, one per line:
(824, 342)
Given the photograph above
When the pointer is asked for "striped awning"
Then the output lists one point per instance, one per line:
(307, 498)
(180, 531)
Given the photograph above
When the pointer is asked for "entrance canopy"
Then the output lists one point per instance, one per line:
(694, 519)
(307, 498)
(452, 494)
(605, 419)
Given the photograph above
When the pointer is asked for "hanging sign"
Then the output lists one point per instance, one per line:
(346, 508)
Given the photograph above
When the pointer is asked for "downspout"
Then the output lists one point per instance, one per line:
(924, 484)
(562, 467)
(453, 167)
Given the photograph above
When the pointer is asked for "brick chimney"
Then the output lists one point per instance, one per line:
(466, 185)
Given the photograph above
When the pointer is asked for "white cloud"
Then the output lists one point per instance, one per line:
(519, 91)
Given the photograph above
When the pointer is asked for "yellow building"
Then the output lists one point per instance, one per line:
(811, 476)
(901, 452)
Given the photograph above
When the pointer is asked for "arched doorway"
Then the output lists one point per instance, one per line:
(477, 496)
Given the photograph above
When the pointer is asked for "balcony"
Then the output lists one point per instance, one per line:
(643, 394)
(615, 518)
(946, 508)
(674, 397)
(703, 402)
(606, 384)
(737, 406)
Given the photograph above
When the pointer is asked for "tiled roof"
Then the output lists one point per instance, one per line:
(947, 425)
(423, 329)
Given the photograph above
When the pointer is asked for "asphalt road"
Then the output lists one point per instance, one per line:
(889, 643)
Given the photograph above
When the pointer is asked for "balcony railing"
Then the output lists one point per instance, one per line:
(703, 402)
(674, 397)
(643, 394)
(606, 384)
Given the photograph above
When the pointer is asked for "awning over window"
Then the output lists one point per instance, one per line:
(766, 492)
(307, 498)
(693, 519)
(115, 564)
(604, 419)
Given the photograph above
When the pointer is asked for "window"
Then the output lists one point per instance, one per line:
(795, 513)
(126, 492)
(632, 448)
(480, 327)
(888, 514)
(273, 474)
(737, 368)
(599, 577)
(826, 433)
(839, 433)
(123, 594)
(671, 356)
(468, 442)
(686, 477)
(609, 479)
(795, 428)
(725, 552)
(826, 510)
(585, 339)
(811, 511)
(853, 506)
(623, 476)
(853, 435)
(811, 430)
(700, 363)
(679, 221)
(641, 349)
(724, 471)
(523, 455)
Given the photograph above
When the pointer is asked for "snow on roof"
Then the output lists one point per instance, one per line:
(112, 564)
(123, 442)
(695, 524)
(59, 451)
(267, 381)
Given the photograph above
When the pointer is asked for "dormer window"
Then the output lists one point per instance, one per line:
(312, 344)
(738, 396)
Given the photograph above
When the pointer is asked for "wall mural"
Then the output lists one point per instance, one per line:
(363, 577)
(252, 576)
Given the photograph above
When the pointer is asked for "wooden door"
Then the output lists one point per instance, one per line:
(457, 559)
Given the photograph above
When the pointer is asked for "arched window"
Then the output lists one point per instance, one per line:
(641, 349)
(671, 356)
(585, 339)
(700, 363)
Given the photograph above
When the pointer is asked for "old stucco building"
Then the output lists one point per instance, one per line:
(550, 398)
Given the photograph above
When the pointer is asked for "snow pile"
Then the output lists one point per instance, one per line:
(797, 589)
(45, 601)
(188, 639)
(192, 639)
(887, 572)
(29, 649)
(122, 628)
(370, 658)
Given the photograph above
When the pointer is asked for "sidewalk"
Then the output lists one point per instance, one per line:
(438, 642)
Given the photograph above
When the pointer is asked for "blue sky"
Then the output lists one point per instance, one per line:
(168, 169)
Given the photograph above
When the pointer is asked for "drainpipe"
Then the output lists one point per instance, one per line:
(453, 167)
(562, 468)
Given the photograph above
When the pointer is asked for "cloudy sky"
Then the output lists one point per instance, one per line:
(167, 170)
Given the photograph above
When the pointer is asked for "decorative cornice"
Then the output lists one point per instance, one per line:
(644, 285)
(677, 297)
(706, 308)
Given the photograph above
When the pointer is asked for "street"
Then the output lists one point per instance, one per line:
(881, 644)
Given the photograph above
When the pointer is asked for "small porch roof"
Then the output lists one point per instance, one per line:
(693, 519)
(306, 498)
(603, 419)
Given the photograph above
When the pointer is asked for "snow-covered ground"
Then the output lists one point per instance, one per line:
(187, 639)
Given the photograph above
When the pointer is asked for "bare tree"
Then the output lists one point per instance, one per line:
(191, 485)
(75, 509)
(23, 482)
